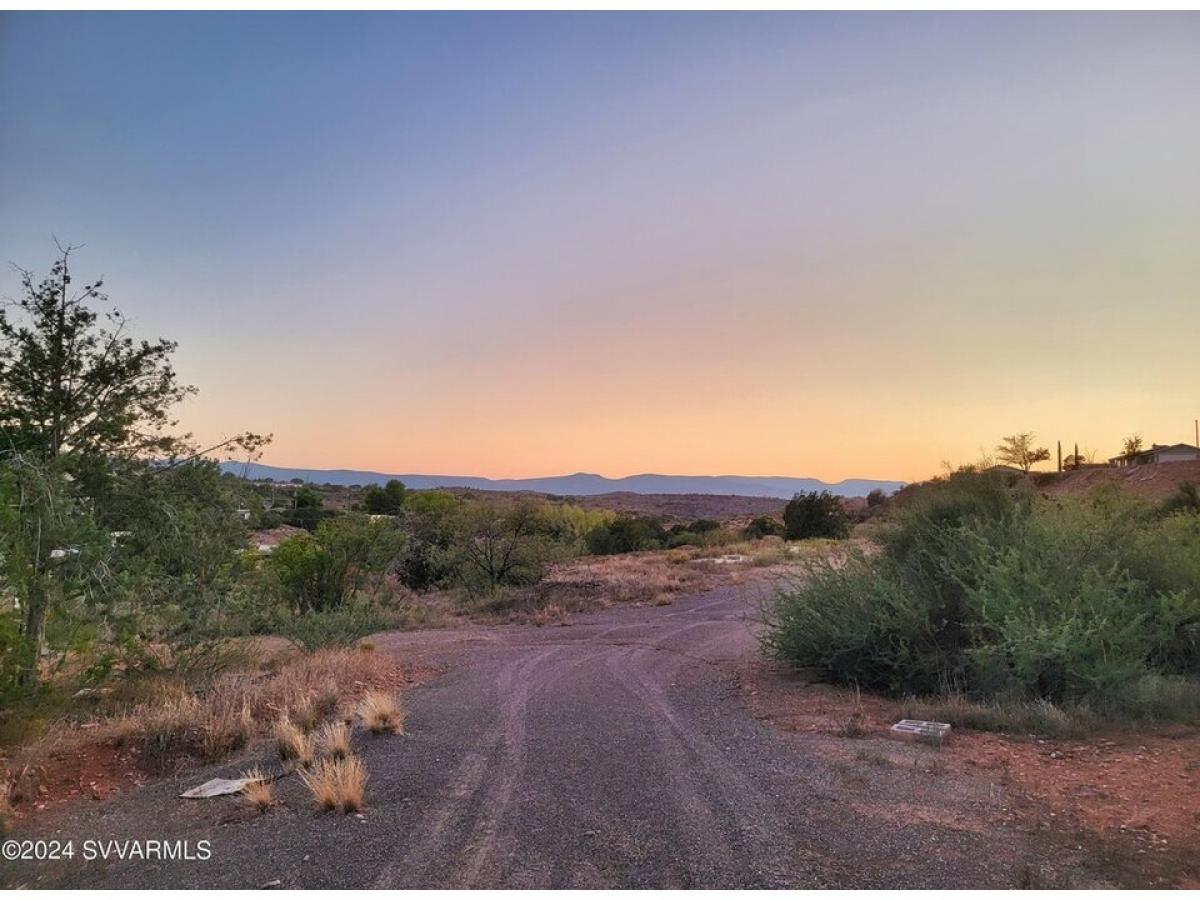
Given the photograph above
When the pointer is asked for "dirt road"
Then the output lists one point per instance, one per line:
(618, 751)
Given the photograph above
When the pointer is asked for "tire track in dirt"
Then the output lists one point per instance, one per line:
(723, 816)
(512, 686)
(481, 792)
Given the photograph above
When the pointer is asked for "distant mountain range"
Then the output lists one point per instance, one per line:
(581, 483)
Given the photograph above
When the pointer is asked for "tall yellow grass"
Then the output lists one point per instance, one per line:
(337, 783)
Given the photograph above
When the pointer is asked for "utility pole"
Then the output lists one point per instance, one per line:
(1060, 456)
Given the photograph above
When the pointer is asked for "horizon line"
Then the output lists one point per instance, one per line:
(647, 474)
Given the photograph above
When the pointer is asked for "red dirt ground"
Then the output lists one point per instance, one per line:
(1134, 795)
(1151, 482)
(92, 772)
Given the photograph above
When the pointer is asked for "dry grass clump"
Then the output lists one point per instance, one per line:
(334, 740)
(259, 793)
(337, 783)
(169, 720)
(292, 742)
(319, 680)
(553, 614)
(601, 581)
(165, 733)
(1013, 717)
(175, 723)
(310, 710)
(381, 713)
(227, 731)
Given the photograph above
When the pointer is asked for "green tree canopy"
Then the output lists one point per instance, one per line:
(387, 500)
(815, 514)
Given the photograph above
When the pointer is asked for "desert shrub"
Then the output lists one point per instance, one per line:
(626, 534)
(684, 539)
(569, 525)
(1186, 499)
(428, 519)
(996, 594)
(763, 526)
(342, 558)
(863, 625)
(815, 514)
(500, 544)
(337, 627)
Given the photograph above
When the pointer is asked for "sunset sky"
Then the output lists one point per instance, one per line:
(530, 244)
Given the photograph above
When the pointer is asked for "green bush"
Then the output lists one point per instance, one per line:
(626, 534)
(338, 627)
(1185, 499)
(345, 556)
(684, 539)
(763, 526)
(992, 593)
(387, 500)
(815, 515)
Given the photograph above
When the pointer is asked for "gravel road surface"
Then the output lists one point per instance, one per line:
(617, 751)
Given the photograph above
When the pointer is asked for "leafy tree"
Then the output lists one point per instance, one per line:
(306, 498)
(498, 544)
(180, 531)
(875, 498)
(815, 514)
(81, 403)
(430, 518)
(1018, 450)
(70, 385)
(1133, 444)
(387, 500)
(52, 551)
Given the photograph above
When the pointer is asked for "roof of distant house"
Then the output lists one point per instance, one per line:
(1153, 448)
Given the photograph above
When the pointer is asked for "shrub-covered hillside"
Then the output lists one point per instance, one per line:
(998, 593)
